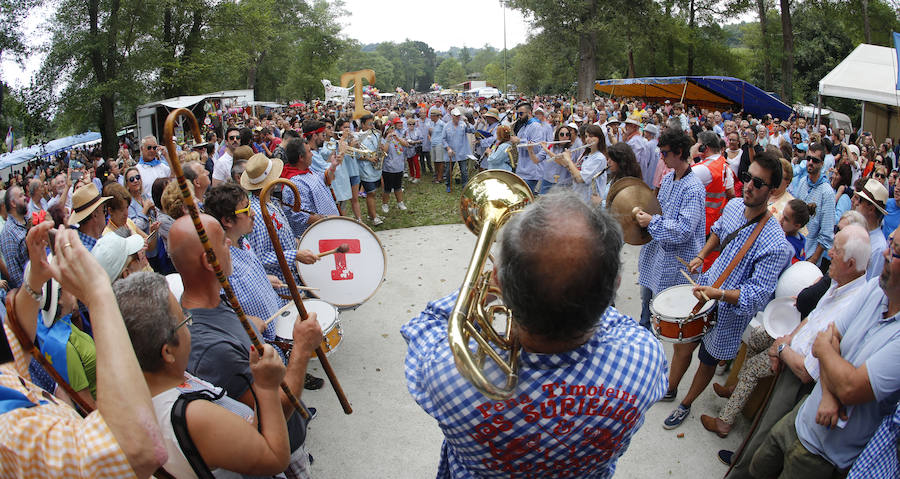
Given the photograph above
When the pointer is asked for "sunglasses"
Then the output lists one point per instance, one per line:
(242, 210)
(231, 138)
(188, 320)
(879, 175)
(151, 147)
(813, 159)
(134, 179)
(563, 134)
(758, 182)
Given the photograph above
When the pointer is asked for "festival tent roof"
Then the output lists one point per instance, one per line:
(869, 73)
(68, 142)
(715, 91)
(19, 156)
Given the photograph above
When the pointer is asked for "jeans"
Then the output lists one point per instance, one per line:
(463, 172)
(646, 297)
(546, 186)
(533, 184)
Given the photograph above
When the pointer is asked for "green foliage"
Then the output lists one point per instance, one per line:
(449, 73)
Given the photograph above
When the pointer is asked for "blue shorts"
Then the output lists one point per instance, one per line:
(354, 180)
(370, 186)
(704, 356)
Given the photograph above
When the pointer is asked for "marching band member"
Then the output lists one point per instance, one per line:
(745, 290)
(436, 140)
(528, 130)
(351, 165)
(456, 143)
(679, 231)
(492, 119)
(553, 171)
(498, 159)
(315, 197)
(392, 169)
(574, 345)
(369, 170)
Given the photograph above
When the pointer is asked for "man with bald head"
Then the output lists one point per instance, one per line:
(587, 372)
(220, 348)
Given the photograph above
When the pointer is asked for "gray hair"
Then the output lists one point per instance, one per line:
(857, 245)
(548, 296)
(147, 138)
(143, 299)
(710, 139)
(854, 217)
(33, 186)
(673, 124)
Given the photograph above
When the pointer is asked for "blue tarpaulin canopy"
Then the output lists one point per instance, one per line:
(711, 91)
(50, 148)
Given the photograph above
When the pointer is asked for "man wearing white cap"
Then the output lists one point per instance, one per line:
(456, 144)
(643, 152)
(492, 117)
(435, 127)
(870, 203)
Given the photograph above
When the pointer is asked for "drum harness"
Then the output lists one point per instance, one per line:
(760, 222)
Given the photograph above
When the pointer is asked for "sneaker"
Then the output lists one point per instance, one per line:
(377, 221)
(402, 206)
(677, 417)
(362, 194)
(385, 208)
(312, 413)
(721, 368)
(358, 219)
(670, 396)
(726, 456)
(414, 180)
(312, 383)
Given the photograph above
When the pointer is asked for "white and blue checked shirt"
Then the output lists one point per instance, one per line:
(314, 196)
(262, 246)
(679, 232)
(820, 226)
(12, 244)
(879, 459)
(572, 414)
(755, 276)
(252, 287)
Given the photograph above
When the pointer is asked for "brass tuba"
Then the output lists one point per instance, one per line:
(487, 202)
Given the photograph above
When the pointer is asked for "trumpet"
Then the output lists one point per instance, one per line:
(487, 203)
(376, 157)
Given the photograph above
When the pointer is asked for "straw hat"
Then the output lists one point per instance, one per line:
(260, 171)
(874, 192)
(84, 201)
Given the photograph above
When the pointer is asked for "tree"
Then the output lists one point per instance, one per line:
(12, 14)
(787, 63)
(464, 58)
(450, 72)
(493, 74)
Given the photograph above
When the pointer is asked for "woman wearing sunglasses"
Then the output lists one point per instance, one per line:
(553, 170)
(141, 209)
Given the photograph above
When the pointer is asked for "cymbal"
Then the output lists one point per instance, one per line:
(624, 195)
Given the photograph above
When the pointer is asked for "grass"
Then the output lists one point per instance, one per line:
(428, 203)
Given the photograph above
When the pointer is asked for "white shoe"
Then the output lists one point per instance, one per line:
(377, 221)
(385, 208)
(414, 180)
(402, 206)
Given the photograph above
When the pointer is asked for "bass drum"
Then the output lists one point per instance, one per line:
(345, 280)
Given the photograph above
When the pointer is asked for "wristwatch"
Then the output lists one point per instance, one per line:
(781, 348)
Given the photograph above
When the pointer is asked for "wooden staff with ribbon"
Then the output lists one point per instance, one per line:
(175, 164)
(292, 285)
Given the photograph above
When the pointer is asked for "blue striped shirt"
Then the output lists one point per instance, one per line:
(755, 276)
(314, 196)
(262, 246)
(12, 244)
(252, 287)
(572, 414)
(820, 226)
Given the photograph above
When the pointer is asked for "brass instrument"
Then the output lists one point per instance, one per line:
(376, 157)
(487, 202)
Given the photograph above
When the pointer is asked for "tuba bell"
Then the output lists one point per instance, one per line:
(487, 203)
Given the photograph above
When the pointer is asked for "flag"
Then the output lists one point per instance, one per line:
(9, 140)
(897, 52)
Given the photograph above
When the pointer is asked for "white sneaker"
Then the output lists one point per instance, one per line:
(402, 206)
(377, 221)
(414, 180)
(385, 208)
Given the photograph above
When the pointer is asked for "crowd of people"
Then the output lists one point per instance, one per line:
(87, 241)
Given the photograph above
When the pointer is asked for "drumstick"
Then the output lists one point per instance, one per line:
(307, 288)
(693, 283)
(343, 248)
(685, 263)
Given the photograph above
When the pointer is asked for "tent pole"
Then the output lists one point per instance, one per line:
(683, 91)
(862, 117)
(818, 110)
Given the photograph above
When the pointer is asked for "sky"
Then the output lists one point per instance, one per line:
(471, 23)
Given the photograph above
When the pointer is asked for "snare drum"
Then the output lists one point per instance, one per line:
(670, 315)
(328, 319)
(345, 280)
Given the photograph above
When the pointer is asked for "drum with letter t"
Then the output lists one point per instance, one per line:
(671, 318)
(345, 280)
(327, 316)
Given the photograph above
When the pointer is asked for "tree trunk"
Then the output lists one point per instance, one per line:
(251, 72)
(167, 73)
(764, 30)
(670, 42)
(631, 71)
(866, 27)
(787, 64)
(692, 24)
(587, 65)
(107, 125)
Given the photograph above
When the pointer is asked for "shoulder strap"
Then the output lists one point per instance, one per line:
(737, 258)
(179, 426)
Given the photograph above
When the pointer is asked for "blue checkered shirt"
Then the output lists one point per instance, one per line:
(262, 246)
(12, 243)
(572, 414)
(879, 459)
(87, 241)
(679, 232)
(820, 226)
(755, 276)
(314, 196)
(252, 288)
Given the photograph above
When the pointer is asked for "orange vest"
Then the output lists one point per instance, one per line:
(715, 190)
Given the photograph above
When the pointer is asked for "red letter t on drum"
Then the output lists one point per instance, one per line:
(340, 273)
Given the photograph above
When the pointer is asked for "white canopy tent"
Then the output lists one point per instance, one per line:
(868, 74)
